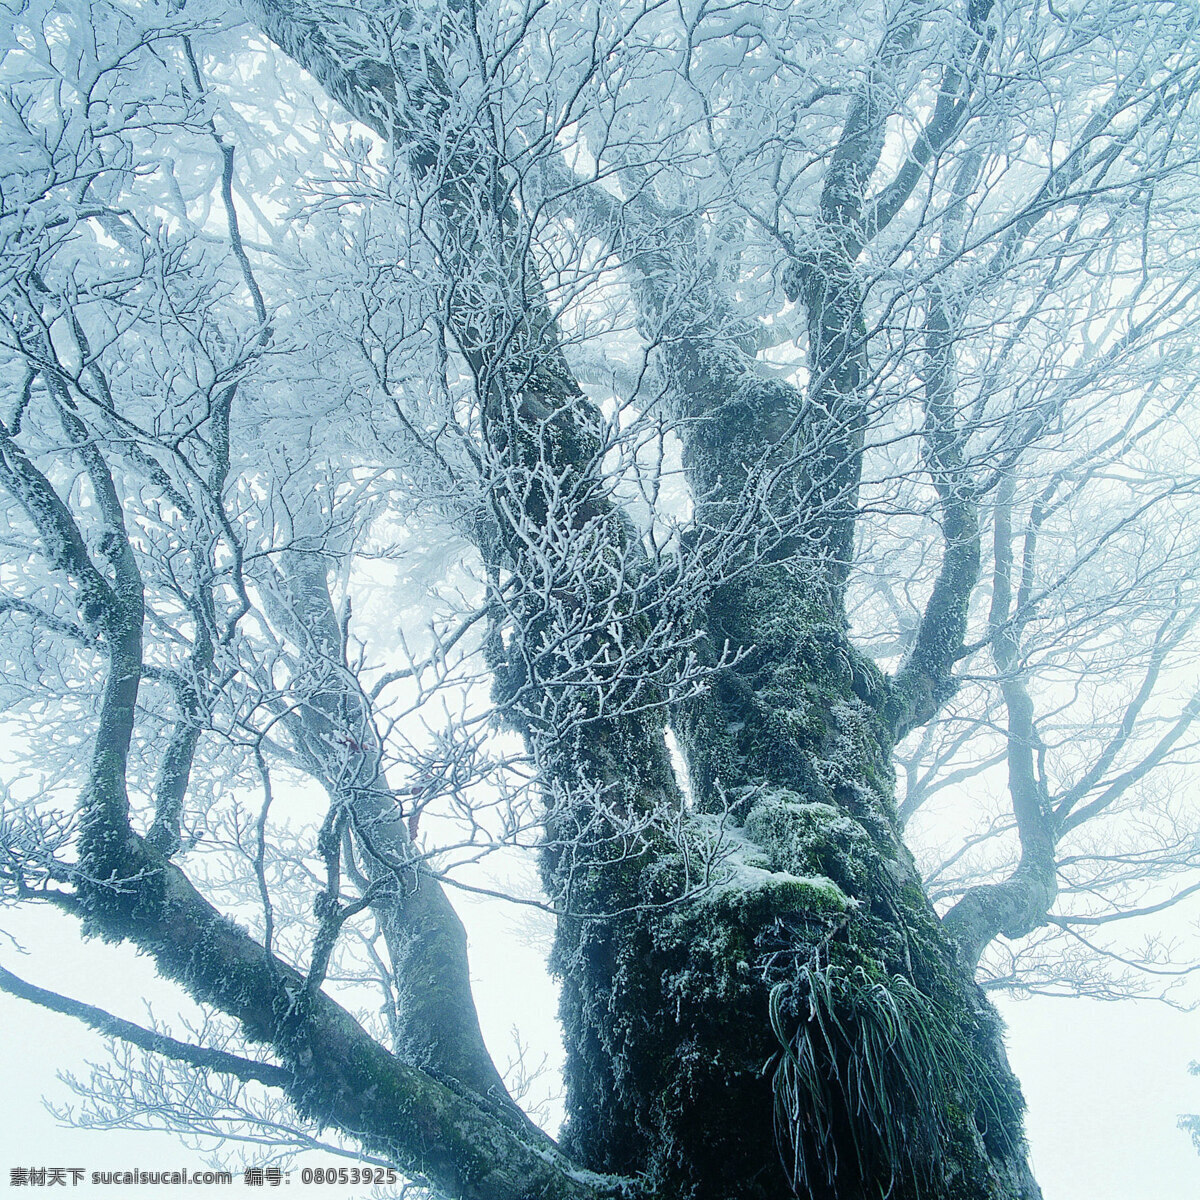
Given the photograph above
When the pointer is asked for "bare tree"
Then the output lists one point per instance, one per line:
(708, 344)
(1088, 711)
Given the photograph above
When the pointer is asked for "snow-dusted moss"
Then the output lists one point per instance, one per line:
(813, 837)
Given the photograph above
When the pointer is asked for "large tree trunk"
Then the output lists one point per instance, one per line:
(804, 1025)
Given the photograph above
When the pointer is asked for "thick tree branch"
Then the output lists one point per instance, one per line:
(950, 113)
(204, 1057)
(335, 1072)
(856, 156)
(925, 681)
(1021, 903)
(329, 718)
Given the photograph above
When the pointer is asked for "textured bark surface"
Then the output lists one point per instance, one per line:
(674, 1062)
(826, 922)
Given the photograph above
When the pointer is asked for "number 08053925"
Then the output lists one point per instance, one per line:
(348, 1175)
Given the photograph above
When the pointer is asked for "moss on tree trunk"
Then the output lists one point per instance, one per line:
(804, 1027)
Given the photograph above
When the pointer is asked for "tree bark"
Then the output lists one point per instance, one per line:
(805, 1025)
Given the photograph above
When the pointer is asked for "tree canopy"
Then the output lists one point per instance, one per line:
(688, 449)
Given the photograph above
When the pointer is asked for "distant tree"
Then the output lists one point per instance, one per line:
(616, 434)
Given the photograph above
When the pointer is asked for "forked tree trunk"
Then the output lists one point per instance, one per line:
(804, 1027)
